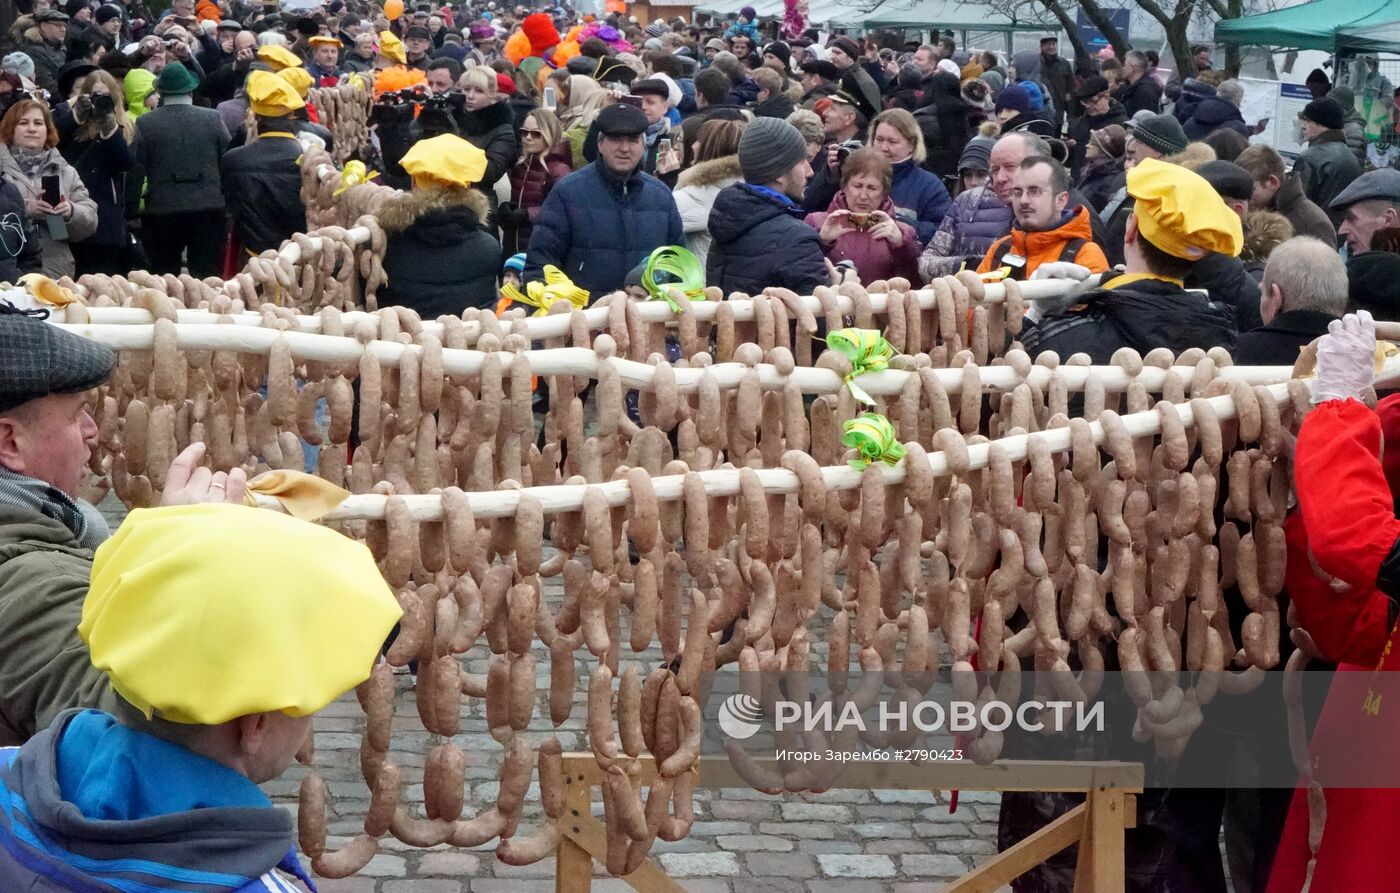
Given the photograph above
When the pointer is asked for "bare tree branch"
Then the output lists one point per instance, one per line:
(1096, 14)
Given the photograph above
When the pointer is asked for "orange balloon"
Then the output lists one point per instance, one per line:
(393, 9)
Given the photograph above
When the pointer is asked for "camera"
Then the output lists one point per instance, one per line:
(844, 150)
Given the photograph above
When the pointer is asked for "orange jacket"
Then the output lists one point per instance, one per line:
(1044, 247)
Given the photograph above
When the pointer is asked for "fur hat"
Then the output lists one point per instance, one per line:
(540, 31)
(1263, 232)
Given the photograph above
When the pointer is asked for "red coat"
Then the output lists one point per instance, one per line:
(1346, 518)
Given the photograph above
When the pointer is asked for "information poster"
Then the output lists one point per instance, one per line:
(1292, 98)
(1261, 104)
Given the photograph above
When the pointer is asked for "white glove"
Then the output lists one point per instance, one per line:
(1062, 270)
(1346, 358)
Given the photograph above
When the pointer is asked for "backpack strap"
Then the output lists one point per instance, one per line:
(1070, 250)
(1003, 248)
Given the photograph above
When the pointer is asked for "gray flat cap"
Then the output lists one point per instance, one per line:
(37, 359)
(1383, 184)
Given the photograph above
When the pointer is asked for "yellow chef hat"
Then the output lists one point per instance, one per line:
(321, 40)
(278, 57)
(446, 159)
(299, 78)
(390, 47)
(1180, 213)
(272, 95)
(200, 614)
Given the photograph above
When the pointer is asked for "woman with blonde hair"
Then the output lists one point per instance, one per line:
(545, 159)
(488, 123)
(920, 198)
(96, 141)
(28, 154)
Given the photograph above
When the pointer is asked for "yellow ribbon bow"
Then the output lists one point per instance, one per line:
(873, 438)
(46, 291)
(354, 175)
(303, 496)
(556, 287)
(867, 350)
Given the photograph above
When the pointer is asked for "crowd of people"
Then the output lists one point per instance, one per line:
(169, 142)
(521, 140)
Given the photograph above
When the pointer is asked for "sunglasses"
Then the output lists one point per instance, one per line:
(537, 134)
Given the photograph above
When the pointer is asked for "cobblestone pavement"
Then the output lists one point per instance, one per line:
(840, 841)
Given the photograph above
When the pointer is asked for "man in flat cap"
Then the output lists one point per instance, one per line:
(215, 665)
(1177, 220)
(1371, 203)
(605, 218)
(1327, 166)
(47, 533)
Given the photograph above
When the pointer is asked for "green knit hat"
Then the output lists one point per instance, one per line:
(176, 80)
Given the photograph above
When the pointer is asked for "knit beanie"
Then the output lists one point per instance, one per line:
(1017, 98)
(977, 154)
(1326, 112)
(847, 46)
(106, 13)
(782, 51)
(1160, 132)
(769, 148)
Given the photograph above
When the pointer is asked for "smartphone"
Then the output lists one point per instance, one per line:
(663, 147)
(52, 195)
(551, 100)
(634, 101)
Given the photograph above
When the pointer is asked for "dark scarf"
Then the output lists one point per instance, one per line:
(22, 491)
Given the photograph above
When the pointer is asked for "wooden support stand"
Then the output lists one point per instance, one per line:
(1097, 825)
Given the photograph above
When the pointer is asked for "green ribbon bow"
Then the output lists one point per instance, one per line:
(873, 438)
(679, 268)
(867, 350)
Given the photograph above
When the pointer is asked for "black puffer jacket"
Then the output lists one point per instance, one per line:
(438, 258)
(263, 185)
(1143, 315)
(492, 130)
(1098, 184)
(944, 125)
(759, 242)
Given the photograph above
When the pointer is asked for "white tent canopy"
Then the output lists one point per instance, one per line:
(942, 14)
(820, 12)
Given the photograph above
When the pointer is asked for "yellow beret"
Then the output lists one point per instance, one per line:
(447, 158)
(278, 57)
(1180, 213)
(200, 614)
(321, 40)
(390, 47)
(272, 95)
(300, 79)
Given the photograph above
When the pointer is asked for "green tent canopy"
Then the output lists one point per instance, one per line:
(1319, 25)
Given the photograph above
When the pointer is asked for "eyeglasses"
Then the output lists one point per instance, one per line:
(537, 134)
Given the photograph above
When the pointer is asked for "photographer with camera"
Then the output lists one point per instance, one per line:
(95, 139)
(843, 120)
(261, 180)
(476, 112)
(225, 80)
(861, 226)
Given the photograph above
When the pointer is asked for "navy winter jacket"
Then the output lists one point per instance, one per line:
(923, 193)
(760, 241)
(1212, 114)
(596, 227)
